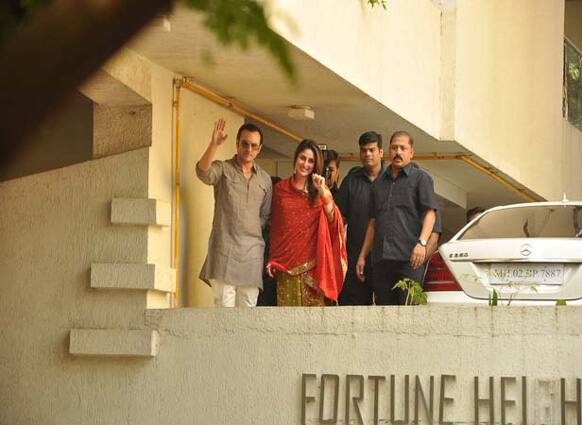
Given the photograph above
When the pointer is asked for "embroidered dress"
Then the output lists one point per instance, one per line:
(307, 250)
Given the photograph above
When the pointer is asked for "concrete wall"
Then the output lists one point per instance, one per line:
(242, 366)
(53, 227)
(65, 138)
(120, 128)
(509, 87)
(197, 117)
(155, 84)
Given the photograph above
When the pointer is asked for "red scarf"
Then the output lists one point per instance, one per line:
(301, 234)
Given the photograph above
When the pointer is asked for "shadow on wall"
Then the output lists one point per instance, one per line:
(65, 138)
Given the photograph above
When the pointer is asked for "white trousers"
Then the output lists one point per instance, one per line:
(226, 295)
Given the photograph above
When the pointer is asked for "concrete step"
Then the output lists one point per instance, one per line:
(145, 277)
(146, 212)
(114, 343)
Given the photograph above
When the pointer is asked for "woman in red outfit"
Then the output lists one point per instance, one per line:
(308, 255)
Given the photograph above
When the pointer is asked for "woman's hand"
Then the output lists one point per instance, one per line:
(270, 270)
(325, 195)
(319, 183)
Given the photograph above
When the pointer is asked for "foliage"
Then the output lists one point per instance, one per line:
(514, 287)
(234, 22)
(561, 302)
(242, 22)
(415, 295)
(239, 22)
(382, 3)
(493, 298)
(506, 291)
(14, 12)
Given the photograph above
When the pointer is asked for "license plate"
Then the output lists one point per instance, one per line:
(526, 273)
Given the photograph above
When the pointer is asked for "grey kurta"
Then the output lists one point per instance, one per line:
(241, 208)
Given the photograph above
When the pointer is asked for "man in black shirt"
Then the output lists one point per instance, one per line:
(353, 199)
(401, 220)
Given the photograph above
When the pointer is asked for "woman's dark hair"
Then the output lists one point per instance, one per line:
(317, 166)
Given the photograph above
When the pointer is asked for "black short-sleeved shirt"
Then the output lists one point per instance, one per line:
(353, 200)
(398, 205)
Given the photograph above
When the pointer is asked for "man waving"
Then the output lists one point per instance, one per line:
(242, 205)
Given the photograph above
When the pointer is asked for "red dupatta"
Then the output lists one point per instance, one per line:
(302, 239)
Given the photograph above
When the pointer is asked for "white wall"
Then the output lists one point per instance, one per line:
(394, 56)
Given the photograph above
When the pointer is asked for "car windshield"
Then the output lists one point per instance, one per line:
(553, 221)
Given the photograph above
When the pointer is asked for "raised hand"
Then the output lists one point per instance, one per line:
(219, 135)
(319, 183)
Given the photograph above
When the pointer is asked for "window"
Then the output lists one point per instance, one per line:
(528, 222)
(573, 84)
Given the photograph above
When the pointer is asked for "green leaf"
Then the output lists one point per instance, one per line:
(382, 3)
(243, 23)
(493, 298)
(414, 291)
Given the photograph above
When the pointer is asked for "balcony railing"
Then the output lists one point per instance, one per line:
(573, 84)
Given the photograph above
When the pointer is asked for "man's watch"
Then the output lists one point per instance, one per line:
(422, 242)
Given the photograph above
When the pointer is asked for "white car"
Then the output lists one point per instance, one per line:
(524, 253)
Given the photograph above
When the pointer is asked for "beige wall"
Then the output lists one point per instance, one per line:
(197, 117)
(269, 165)
(244, 366)
(509, 87)
(120, 128)
(161, 169)
(156, 85)
(394, 55)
